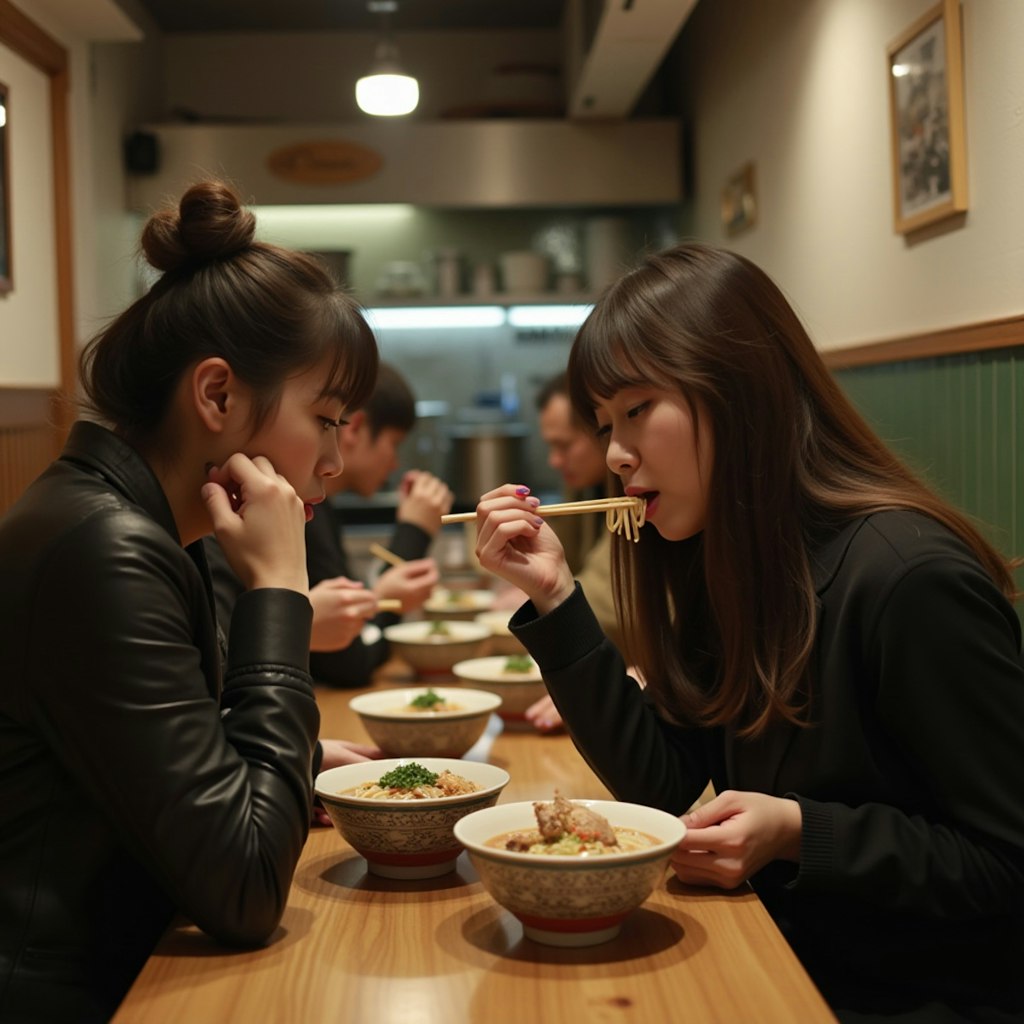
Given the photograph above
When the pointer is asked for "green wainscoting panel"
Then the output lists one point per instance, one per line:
(959, 421)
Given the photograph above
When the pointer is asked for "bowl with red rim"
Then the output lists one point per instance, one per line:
(515, 678)
(565, 900)
(457, 603)
(405, 838)
(425, 721)
(503, 640)
(431, 647)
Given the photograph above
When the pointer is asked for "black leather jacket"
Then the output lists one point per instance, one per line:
(133, 781)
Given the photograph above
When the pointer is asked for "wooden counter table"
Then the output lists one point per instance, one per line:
(356, 948)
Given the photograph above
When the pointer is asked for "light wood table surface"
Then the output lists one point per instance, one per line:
(356, 948)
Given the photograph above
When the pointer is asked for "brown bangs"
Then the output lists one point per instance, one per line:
(620, 345)
(353, 353)
(602, 361)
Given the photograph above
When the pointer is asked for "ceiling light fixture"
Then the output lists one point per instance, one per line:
(387, 91)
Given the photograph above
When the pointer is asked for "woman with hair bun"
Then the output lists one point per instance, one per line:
(822, 637)
(137, 777)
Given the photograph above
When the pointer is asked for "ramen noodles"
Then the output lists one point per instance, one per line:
(567, 829)
(413, 782)
(427, 703)
(627, 519)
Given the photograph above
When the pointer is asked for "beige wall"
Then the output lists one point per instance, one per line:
(99, 106)
(30, 349)
(800, 87)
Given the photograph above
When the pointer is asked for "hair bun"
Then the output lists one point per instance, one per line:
(209, 224)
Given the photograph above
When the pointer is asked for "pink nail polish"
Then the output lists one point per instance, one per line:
(534, 502)
(522, 491)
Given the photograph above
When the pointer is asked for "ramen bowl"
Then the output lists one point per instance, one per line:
(431, 648)
(457, 604)
(517, 689)
(502, 640)
(405, 838)
(401, 729)
(570, 900)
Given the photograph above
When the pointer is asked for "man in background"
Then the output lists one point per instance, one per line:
(576, 454)
(343, 652)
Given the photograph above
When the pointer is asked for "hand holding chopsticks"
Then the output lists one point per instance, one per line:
(623, 515)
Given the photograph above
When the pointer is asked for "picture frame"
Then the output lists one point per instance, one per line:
(739, 201)
(926, 100)
(6, 277)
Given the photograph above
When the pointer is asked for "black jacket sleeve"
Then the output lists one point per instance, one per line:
(212, 795)
(637, 755)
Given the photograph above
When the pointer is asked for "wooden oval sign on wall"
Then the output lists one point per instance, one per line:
(324, 162)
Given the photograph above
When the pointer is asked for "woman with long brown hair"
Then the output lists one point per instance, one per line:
(823, 638)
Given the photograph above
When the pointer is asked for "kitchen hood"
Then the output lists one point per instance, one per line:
(464, 164)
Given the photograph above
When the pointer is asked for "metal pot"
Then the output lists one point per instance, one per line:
(484, 456)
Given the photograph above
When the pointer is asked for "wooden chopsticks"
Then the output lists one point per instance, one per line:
(384, 555)
(565, 508)
(389, 604)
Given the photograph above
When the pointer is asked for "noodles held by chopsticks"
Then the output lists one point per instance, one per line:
(627, 519)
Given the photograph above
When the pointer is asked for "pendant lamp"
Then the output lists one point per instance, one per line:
(387, 91)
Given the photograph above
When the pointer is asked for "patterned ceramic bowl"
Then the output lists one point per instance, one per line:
(518, 688)
(431, 648)
(502, 641)
(405, 838)
(402, 729)
(462, 604)
(570, 901)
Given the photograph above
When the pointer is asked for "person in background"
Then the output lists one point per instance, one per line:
(821, 635)
(139, 778)
(342, 605)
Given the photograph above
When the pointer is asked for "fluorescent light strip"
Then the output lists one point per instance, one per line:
(548, 316)
(417, 318)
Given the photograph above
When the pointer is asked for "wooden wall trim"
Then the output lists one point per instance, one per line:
(21, 407)
(1006, 332)
(29, 41)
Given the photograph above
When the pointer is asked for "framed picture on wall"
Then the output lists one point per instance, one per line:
(739, 201)
(6, 282)
(926, 98)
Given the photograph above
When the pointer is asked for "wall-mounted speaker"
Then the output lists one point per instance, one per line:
(142, 153)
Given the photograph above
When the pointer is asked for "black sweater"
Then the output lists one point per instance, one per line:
(910, 887)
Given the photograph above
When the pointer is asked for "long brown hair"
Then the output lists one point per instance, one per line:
(792, 457)
(269, 312)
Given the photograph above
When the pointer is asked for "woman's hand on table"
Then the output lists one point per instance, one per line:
(339, 752)
(543, 715)
(513, 542)
(341, 608)
(734, 835)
